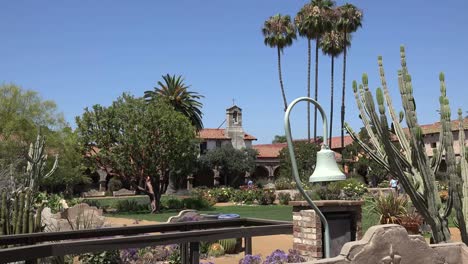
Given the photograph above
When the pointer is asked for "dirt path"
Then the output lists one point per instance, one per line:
(116, 222)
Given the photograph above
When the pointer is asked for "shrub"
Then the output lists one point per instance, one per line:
(222, 194)
(354, 190)
(216, 250)
(313, 194)
(130, 206)
(284, 198)
(196, 203)
(251, 259)
(266, 197)
(384, 184)
(172, 203)
(114, 184)
(390, 207)
(283, 184)
(104, 257)
(245, 196)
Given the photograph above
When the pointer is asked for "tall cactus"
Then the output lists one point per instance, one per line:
(36, 164)
(408, 161)
(19, 207)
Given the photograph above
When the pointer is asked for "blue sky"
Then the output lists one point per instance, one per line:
(80, 53)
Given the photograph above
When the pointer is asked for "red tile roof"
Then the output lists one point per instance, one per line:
(269, 150)
(272, 150)
(219, 133)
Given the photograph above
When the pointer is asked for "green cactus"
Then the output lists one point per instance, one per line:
(409, 162)
(36, 160)
(229, 245)
(25, 219)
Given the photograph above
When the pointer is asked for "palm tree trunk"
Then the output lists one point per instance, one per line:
(281, 80)
(316, 85)
(308, 88)
(331, 101)
(343, 95)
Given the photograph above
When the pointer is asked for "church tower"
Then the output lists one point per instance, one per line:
(234, 128)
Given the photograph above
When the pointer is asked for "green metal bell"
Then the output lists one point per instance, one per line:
(326, 168)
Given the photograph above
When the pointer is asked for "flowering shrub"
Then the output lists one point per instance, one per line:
(283, 184)
(277, 257)
(266, 197)
(201, 194)
(149, 254)
(284, 198)
(354, 190)
(245, 196)
(222, 194)
(251, 259)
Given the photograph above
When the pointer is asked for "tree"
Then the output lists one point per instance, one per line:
(331, 44)
(306, 158)
(233, 163)
(279, 139)
(69, 173)
(134, 140)
(311, 22)
(22, 114)
(350, 19)
(176, 93)
(279, 32)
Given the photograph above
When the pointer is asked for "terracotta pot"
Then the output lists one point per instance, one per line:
(412, 229)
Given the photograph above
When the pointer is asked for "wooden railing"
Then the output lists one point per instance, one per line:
(187, 234)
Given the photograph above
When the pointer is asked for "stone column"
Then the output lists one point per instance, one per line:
(246, 177)
(190, 182)
(216, 177)
(102, 180)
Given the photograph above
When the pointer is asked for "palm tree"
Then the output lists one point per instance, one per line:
(311, 23)
(349, 21)
(279, 32)
(332, 45)
(175, 91)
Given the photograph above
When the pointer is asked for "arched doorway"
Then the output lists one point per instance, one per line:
(260, 174)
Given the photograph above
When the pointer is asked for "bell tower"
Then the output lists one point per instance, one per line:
(234, 128)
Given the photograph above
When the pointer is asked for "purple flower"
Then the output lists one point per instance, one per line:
(277, 257)
(129, 254)
(251, 259)
(294, 257)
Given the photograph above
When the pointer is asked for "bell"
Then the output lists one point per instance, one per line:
(326, 168)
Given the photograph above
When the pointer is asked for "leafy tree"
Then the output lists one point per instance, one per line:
(306, 158)
(136, 140)
(70, 171)
(175, 91)
(279, 139)
(22, 113)
(279, 32)
(331, 44)
(233, 163)
(312, 22)
(350, 20)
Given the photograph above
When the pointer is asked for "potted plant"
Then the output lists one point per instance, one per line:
(411, 222)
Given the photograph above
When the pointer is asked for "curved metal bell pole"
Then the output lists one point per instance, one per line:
(287, 128)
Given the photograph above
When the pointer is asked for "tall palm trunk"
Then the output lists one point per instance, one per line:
(343, 94)
(308, 88)
(316, 85)
(331, 101)
(281, 80)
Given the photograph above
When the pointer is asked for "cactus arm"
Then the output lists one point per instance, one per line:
(463, 162)
(399, 132)
(373, 139)
(373, 154)
(54, 168)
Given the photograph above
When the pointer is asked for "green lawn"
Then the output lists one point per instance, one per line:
(273, 212)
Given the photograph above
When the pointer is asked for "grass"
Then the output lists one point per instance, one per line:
(112, 201)
(273, 212)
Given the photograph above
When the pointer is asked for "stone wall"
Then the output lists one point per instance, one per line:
(391, 244)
